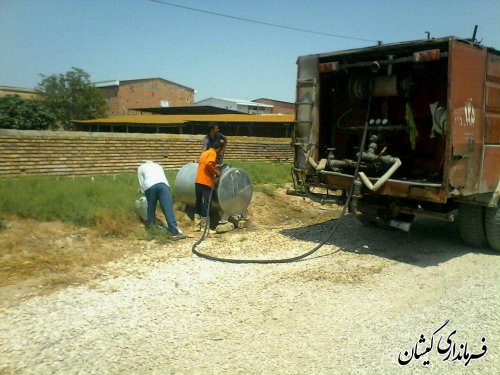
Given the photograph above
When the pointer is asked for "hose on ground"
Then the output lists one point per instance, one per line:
(317, 247)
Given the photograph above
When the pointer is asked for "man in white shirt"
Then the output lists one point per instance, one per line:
(155, 186)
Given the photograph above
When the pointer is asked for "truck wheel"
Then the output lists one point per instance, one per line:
(492, 225)
(366, 220)
(471, 223)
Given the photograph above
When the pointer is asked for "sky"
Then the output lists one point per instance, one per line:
(217, 56)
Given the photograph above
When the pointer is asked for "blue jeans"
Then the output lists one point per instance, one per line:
(161, 192)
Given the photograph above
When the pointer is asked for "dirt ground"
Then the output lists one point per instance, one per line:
(81, 303)
(42, 257)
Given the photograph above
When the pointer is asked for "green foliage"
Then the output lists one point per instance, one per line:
(261, 173)
(82, 201)
(104, 202)
(27, 114)
(266, 189)
(71, 96)
(156, 233)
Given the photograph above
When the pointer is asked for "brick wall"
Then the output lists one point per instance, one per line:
(145, 93)
(285, 109)
(279, 106)
(24, 152)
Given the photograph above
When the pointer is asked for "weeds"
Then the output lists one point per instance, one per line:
(68, 200)
(266, 189)
(265, 177)
(156, 233)
(104, 202)
(262, 173)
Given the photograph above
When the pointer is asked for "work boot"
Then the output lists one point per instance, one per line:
(203, 223)
(197, 223)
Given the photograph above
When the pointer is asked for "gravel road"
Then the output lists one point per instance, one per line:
(351, 308)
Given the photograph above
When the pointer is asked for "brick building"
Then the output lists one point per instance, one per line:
(279, 107)
(124, 96)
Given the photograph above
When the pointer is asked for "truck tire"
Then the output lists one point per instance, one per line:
(492, 226)
(366, 220)
(471, 224)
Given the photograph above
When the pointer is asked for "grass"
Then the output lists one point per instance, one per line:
(2, 223)
(266, 189)
(262, 173)
(155, 233)
(265, 177)
(82, 201)
(104, 202)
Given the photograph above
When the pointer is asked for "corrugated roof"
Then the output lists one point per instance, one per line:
(18, 89)
(107, 83)
(188, 110)
(273, 101)
(237, 101)
(113, 82)
(181, 119)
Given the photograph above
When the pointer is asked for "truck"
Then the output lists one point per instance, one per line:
(403, 130)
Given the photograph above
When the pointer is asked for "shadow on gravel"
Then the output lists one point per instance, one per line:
(428, 243)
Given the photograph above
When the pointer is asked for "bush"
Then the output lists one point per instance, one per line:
(27, 114)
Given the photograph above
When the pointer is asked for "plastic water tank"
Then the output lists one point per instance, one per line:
(232, 196)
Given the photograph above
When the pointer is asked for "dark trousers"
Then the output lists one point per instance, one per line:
(202, 197)
(161, 192)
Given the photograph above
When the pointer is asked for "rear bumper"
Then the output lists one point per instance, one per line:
(414, 190)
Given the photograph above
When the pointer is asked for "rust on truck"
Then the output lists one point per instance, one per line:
(431, 112)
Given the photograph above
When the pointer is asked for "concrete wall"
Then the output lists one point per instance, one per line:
(24, 152)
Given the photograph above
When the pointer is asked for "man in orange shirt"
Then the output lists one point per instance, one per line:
(208, 170)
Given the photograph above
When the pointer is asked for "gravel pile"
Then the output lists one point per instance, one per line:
(352, 307)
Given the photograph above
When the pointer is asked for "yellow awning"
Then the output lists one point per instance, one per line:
(181, 119)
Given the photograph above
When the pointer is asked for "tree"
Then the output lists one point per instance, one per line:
(71, 96)
(27, 114)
